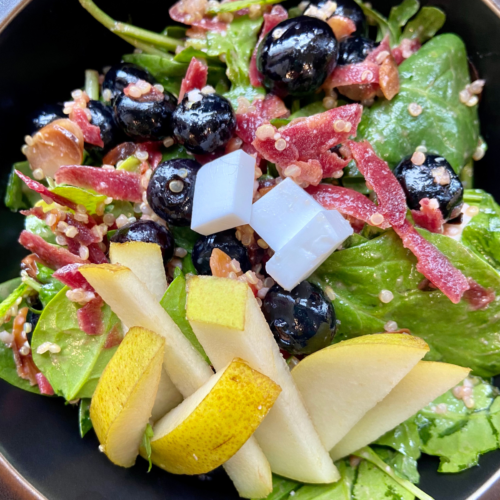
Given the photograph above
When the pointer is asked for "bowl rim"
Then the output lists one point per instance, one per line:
(16, 485)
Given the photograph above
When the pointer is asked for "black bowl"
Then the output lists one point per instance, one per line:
(44, 47)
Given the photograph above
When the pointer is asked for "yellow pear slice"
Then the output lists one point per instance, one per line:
(342, 382)
(167, 397)
(212, 424)
(228, 323)
(426, 381)
(145, 261)
(122, 402)
(134, 304)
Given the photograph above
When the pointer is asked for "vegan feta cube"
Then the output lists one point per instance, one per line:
(279, 215)
(308, 248)
(223, 193)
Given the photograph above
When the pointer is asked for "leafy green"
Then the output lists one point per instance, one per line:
(175, 31)
(50, 286)
(309, 110)
(18, 196)
(174, 152)
(86, 197)
(187, 265)
(454, 332)
(146, 444)
(21, 291)
(7, 287)
(119, 207)
(130, 164)
(73, 372)
(84, 422)
(36, 226)
(174, 302)
(402, 13)
(425, 25)
(238, 5)
(432, 78)
(460, 435)
(482, 233)
(184, 237)
(237, 45)
(282, 487)
(8, 371)
(280, 122)
(383, 26)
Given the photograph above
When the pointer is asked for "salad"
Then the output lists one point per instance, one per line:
(254, 242)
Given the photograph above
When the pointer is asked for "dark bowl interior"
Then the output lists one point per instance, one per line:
(43, 53)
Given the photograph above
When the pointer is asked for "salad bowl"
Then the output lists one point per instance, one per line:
(44, 44)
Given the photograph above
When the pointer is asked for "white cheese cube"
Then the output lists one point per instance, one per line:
(223, 193)
(308, 249)
(279, 215)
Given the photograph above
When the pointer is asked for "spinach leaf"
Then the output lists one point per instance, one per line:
(433, 78)
(119, 207)
(188, 53)
(311, 109)
(174, 152)
(459, 435)
(73, 371)
(482, 233)
(84, 422)
(402, 13)
(8, 371)
(7, 287)
(50, 286)
(146, 444)
(86, 197)
(174, 302)
(184, 237)
(18, 196)
(383, 26)
(36, 226)
(282, 487)
(19, 293)
(454, 332)
(237, 45)
(405, 467)
(425, 25)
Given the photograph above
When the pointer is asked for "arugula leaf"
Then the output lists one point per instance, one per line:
(433, 78)
(36, 226)
(174, 302)
(86, 197)
(460, 435)
(185, 237)
(146, 444)
(425, 25)
(238, 5)
(84, 422)
(71, 372)
(402, 13)
(50, 286)
(482, 233)
(454, 332)
(237, 45)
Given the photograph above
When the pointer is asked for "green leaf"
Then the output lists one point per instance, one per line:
(460, 435)
(188, 53)
(36, 226)
(20, 292)
(405, 467)
(384, 28)
(482, 233)
(174, 302)
(7, 287)
(174, 152)
(402, 13)
(50, 286)
(404, 438)
(454, 332)
(238, 5)
(188, 266)
(130, 164)
(427, 23)
(309, 110)
(84, 422)
(8, 371)
(282, 487)
(71, 372)
(175, 31)
(185, 237)
(432, 78)
(146, 444)
(280, 122)
(86, 197)
(14, 193)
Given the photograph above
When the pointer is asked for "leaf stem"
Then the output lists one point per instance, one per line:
(368, 454)
(92, 84)
(238, 5)
(127, 31)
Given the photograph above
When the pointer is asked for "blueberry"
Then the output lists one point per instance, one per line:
(355, 49)
(121, 75)
(435, 178)
(145, 118)
(35, 305)
(204, 122)
(297, 55)
(171, 190)
(45, 115)
(225, 241)
(303, 320)
(103, 117)
(147, 231)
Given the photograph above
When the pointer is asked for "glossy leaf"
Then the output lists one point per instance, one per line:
(7, 287)
(8, 371)
(21, 291)
(238, 5)
(146, 444)
(402, 13)
(454, 332)
(17, 195)
(184, 237)
(50, 286)
(73, 372)
(39, 227)
(84, 422)
(86, 197)
(432, 78)
(425, 25)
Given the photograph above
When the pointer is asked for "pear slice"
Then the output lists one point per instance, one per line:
(134, 304)
(228, 323)
(342, 382)
(122, 402)
(212, 424)
(426, 381)
(145, 261)
(167, 397)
